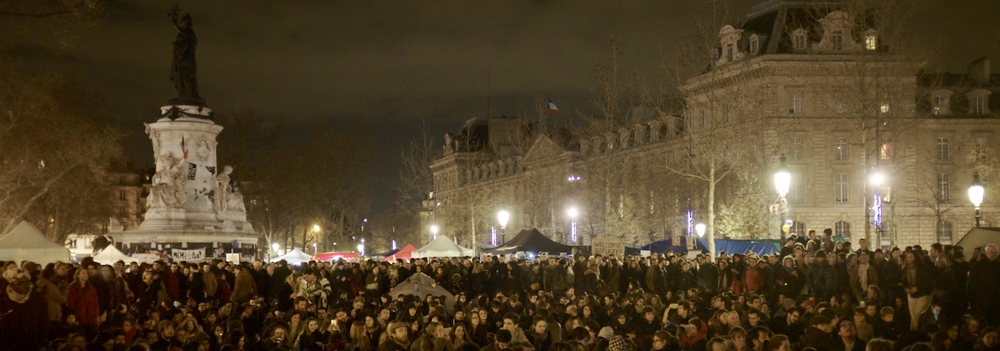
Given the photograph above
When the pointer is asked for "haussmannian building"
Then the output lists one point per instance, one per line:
(812, 83)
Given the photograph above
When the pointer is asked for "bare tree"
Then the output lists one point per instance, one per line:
(53, 142)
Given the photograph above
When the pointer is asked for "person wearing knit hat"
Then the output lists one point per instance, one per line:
(618, 343)
(165, 329)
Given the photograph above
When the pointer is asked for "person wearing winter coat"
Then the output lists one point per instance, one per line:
(54, 296)
(539, 335)
(863, 276)
(245, 287)
(83, 300)
(434, 339)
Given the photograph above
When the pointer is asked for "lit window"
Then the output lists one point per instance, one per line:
(884, 108)
(885, 152)
(837, 39)
(843, 150)
(754, 45)
(842, 187)
(938, 103)
(942, 149)
(871, 41)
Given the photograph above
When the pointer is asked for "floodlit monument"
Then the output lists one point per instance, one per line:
(192, 204)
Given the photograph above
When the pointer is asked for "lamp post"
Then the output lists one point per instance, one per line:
(876, 180)
(316, 230)
(434, 231)
(573, 213)
(976, 194)
(782, 182)
(502, 217)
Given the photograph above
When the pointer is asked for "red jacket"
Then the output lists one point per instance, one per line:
(84, 303)
(753, 279)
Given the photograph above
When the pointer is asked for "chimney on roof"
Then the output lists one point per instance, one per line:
(979, 70)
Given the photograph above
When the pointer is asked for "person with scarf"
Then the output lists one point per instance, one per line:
(918, 284)
(695, 334)
(314, 287)
(863, 276)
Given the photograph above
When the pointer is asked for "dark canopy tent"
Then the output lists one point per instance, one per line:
(530, 240)
(662, 246)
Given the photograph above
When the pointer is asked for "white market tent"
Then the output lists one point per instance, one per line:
(110, 255)
(442, 247)
(25, 242)
(295, 257)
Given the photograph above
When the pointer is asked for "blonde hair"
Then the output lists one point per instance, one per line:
(358, 336)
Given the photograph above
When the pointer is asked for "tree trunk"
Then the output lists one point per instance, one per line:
(710, 231)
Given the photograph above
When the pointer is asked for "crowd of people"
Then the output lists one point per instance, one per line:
(815, 294)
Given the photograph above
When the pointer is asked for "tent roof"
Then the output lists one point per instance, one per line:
(26, 236)
(442, 247)
(405, 253)
(332, 256)
(979, 237)
(25, 242)
(420, 284)
(760, 247)
(295, 256)
(110, 255)
(531, 240)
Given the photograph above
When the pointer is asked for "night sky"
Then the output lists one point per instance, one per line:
(385, 66)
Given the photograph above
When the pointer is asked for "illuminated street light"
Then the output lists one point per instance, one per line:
(502, 217)
(877, 179)
(976, 194)
(700, 229)
(316, 228)
(275, 246)
(434, 231)
(782, 183)
(573, 213)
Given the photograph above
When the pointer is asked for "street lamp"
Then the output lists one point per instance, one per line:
(503, 217)
(361, 247)
(572, 213)
(782, 182)
(976, 194)
(434, 231)
(316, 228)
(700, 228)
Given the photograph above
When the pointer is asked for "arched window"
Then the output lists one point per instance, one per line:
(944, 232)
(843, 229)
(799, 39)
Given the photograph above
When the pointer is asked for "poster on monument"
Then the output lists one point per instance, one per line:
(200, 182)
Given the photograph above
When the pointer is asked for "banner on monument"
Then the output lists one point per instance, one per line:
(607, 247)
(187, 255)
(146, 257)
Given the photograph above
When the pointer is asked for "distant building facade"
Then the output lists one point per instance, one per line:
(812, 84)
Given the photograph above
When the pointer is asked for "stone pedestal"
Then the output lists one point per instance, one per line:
(184, 145)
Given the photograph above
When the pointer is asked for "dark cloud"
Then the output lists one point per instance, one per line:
(387, 65)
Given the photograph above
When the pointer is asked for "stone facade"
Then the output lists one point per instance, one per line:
(795, 88)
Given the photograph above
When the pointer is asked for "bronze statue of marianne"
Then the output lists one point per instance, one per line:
(183, 72)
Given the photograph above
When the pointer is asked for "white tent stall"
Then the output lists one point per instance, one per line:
(25, 242)
(442, 247)
(295, 257)
(111, 254)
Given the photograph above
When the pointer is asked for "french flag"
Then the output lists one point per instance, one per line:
(553, 108)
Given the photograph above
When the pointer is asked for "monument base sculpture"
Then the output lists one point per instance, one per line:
(191, 203)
